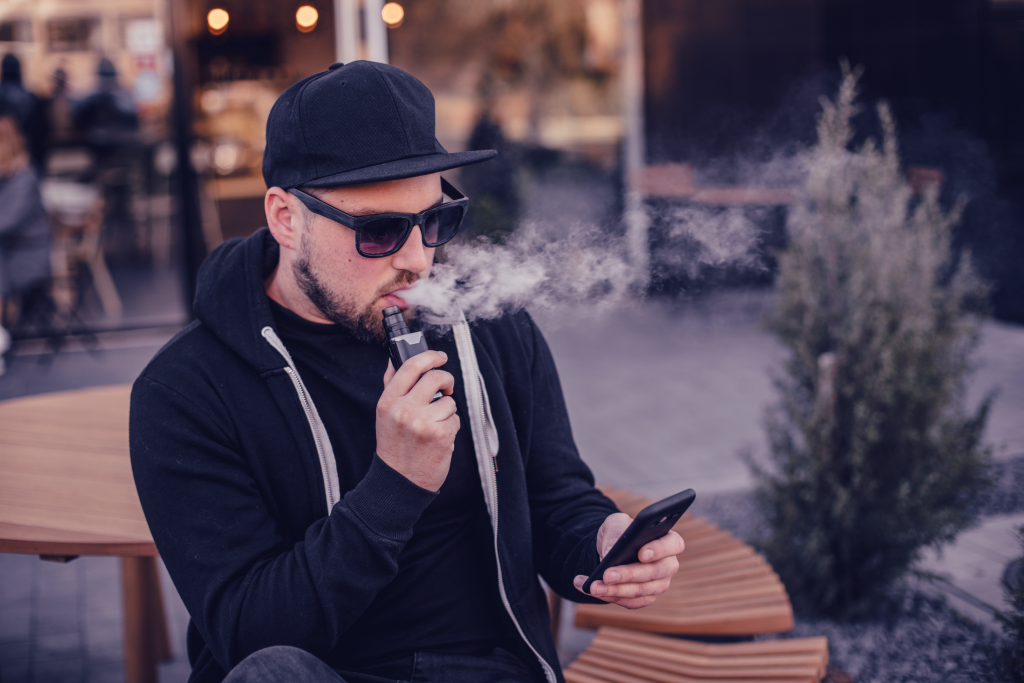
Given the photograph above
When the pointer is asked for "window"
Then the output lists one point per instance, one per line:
(73, 35)
(16, 31)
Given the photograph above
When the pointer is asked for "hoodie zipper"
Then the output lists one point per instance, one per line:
(487, 442)
(549, 673)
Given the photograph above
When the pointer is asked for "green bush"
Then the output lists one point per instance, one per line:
(1013, 627)
(873, 454)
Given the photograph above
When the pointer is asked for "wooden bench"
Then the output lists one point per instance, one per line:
(622, 656)
(723, 587)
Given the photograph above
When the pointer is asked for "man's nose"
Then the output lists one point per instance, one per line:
(413, 255)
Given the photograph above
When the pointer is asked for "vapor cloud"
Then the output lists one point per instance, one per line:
(582, 270)
(583, 267)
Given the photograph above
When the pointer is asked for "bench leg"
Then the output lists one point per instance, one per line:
(146, 639)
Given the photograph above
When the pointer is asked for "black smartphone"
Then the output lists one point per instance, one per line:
(653, 522)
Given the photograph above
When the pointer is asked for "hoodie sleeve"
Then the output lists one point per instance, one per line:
(566, 510)
(244, 585)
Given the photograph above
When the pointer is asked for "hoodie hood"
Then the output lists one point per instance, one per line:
(234, 273)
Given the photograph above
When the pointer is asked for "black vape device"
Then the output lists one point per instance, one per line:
(403, 344)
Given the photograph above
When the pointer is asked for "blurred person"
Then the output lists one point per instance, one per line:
(108, 122)
(107, 117)
(494, 188)
(60, 110)
(26, 110)
(322, 517)
(24, 225)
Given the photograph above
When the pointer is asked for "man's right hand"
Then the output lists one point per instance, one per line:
(414, 436)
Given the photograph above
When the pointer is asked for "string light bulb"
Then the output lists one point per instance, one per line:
(393, 14)
(217, 20)
(306, 18)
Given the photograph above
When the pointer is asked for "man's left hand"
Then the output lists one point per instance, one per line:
(639, 584)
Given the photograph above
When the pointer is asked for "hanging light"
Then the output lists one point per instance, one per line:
(306, 18)
(217, 20)
(393, 14)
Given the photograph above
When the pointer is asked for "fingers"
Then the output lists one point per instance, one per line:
(644, 596)
(441, 409)
(629, 591)
(406, 377)
(632, 581)
(669, 545)
(641, 573)
(429, 384)
(611, 529)
(389, 373)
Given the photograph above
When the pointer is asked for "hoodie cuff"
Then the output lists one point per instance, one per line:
(388, 503)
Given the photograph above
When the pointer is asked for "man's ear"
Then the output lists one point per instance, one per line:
(284, 217)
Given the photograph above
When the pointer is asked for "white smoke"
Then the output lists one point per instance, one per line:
(699, 237)
(584, 270)
(583, 267)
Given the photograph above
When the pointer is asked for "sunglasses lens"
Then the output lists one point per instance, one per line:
(382, 235)
(440, 226)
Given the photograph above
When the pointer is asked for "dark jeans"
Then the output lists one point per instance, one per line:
(291, 665)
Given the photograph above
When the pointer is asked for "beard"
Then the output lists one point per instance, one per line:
(364, 322)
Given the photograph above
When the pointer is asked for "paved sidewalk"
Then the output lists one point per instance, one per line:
(667, 396)
(973, 567)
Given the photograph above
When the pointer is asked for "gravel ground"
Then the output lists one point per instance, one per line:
(916, 636)
(921, 639)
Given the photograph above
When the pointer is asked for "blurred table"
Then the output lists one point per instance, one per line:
(66, 489)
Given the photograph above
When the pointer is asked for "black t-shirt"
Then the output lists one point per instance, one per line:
(445, 596)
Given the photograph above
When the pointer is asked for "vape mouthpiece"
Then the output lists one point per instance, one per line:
(394, 322)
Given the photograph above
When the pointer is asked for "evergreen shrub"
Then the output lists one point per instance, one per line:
(873, 454)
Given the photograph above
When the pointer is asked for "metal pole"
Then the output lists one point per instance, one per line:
(346, 31)
(636, 218)
(376, 31)
(186, 185)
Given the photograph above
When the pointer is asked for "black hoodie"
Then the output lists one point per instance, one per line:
(230, 477)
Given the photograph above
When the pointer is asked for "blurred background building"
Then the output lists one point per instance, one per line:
(152, 115)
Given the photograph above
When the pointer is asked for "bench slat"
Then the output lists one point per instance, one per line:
(802, 664)
(624, 656)
(816, 644)
(642, 661)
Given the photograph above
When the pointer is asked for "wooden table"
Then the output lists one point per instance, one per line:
(66, 489)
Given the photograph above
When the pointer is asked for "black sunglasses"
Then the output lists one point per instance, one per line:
(382, 234)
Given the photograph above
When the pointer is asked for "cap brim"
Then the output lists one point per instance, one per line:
(403, 168)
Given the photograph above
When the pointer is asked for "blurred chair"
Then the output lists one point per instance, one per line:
(76, 210)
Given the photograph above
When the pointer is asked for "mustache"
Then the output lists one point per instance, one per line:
(403, 279)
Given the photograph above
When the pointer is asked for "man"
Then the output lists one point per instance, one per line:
(24, 106)
(323, 524)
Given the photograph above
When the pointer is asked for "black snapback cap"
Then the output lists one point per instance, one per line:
(360, 122)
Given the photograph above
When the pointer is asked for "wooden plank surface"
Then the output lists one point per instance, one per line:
(66, 485)
(625, 656)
